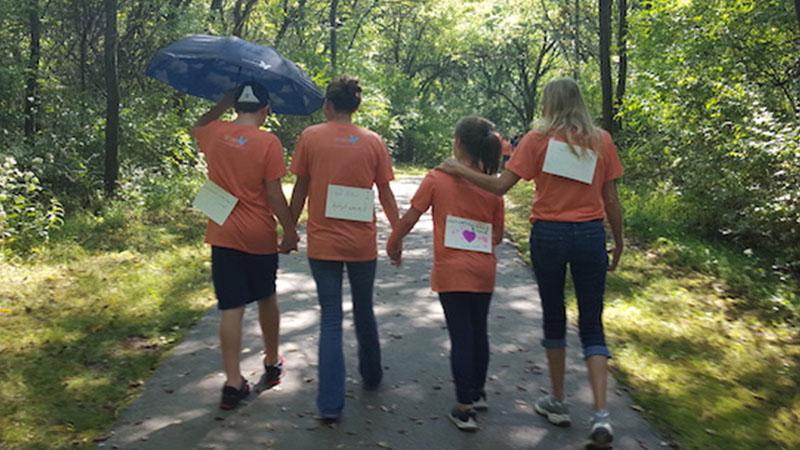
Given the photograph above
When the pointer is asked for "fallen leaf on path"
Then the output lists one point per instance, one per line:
(637, 408)
(102, 438)
(382, 444)
(711, 432)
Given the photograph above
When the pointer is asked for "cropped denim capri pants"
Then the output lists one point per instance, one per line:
(582, 247)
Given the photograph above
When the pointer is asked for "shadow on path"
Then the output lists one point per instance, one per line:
(178, 408)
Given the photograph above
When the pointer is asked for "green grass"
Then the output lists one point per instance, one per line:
(85, 320)
(714, 363)
(409, 170)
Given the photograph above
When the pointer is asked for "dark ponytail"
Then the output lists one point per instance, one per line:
(344, 93)
(481, 142)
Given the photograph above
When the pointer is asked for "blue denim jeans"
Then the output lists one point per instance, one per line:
(582, 246)
(331, 373)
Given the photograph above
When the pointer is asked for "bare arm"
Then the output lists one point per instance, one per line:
(215, 112)
(614, 216)
(389, 204)
(278, 203)
(499, 224)
(394, 248)
(496, 185)
(299, 195)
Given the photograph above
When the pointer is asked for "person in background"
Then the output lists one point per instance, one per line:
(337, 164)
(463, 278)
(247, 162)
(505, 148)
(567, 231)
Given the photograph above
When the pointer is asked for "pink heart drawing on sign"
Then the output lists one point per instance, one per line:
(469, 235)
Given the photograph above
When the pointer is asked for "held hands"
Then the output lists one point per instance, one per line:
(289, 241)
(394, 249)
(616, 253)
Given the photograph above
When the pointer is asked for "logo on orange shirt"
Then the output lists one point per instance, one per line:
(238, 140)
(352, 139)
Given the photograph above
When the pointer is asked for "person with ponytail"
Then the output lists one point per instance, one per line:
(574, 166)
(467, 224)
(337, 163)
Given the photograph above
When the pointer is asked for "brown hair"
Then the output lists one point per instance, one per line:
(481, 142)
(344, 93)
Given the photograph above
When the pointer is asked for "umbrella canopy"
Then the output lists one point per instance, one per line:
(208, 66)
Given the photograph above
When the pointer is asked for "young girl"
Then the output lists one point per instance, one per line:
(567, 230)
(467, 224)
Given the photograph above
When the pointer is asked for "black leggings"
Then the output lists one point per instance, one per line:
(466, 314)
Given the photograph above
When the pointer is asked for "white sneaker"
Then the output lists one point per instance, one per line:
(602, 434)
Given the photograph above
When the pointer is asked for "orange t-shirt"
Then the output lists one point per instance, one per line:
(345, 155)
(242, 159)
(456, 270)
(561, 199)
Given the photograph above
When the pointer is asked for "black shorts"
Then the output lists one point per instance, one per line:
(241, 278)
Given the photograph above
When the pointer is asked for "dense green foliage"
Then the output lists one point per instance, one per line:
(709, 136)
(712, 119)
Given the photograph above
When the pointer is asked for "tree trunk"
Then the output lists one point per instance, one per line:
(622, 47)
(240, 16)
(112, 99)
(605, 65)
(576, 70)
(32, 84)
(334, 7)
(797, 10)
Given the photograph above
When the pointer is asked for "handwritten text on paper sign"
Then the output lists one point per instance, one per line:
(350, 203)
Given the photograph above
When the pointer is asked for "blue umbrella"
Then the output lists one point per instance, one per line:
(208, 66)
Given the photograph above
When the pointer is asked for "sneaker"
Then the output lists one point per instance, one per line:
(464, 420)
(271, 377)
(232, 396)
(328, 421)
(480, 404)
(555, 411)
(602, 434)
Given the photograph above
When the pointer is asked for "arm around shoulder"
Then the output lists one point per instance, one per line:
(497, 185)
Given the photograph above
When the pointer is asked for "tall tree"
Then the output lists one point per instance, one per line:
(332, 24)
(622, 48)
(32, 84)
(605, 65)
(577, 53)
(241, 12)
(797, 10)
(112, 99)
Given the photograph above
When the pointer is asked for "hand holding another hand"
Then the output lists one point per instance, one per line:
(289, 241)
(394, 250)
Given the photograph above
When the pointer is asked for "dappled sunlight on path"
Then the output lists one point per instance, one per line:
(178, 408)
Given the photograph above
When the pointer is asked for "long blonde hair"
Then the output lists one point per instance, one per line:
(564, 113)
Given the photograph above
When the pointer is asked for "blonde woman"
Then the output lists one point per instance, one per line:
(574, 166)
